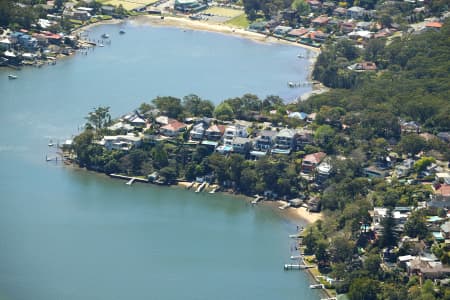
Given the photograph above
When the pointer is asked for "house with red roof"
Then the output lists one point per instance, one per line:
(311, 161)
(174, 128)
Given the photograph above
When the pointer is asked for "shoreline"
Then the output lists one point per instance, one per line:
(185, 23)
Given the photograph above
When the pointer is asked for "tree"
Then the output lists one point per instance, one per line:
(169, 174)
(412, 144)
(363, 289)
(100, 117)
(423, 163)
(416, 225)
(224, 112)
(170, 105)
(324, 137)
(159, 156)
(301, 7)
(389, 237)
(198, 107)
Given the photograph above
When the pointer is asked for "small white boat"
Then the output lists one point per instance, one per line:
(101, 45)
(105, 36)
(11, 76)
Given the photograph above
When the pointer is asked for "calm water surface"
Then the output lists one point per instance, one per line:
(70, 234)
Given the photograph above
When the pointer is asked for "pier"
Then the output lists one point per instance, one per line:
(293, 84)
(130, 179)
(317, 286)
(130, 182)
(295, 267)
(257, 199)
(285, 205)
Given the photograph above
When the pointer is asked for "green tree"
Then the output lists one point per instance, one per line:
(412, 143)
(301, 7)
(100, 117)
(324, 136)
(416, 225)
(198, 107)
(423, 163)
(159, 156)
(224, 112)
(363, 289)
(170, 105)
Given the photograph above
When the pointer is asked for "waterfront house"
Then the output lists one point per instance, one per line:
(264, 140)
(108, 10)
(258, 26)
(198, 131)
(281, 30)
(445, 229)
(295, 34)
(81, 15)
(121, 126)
(311, 161)
(304, 137)
(233, 131)
(214, 132)
(172, 129)
(121, 142)
(188, 6)
(241, 145)
(323, 171)
(284, 141)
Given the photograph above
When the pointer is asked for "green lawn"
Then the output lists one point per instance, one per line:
(239, 21)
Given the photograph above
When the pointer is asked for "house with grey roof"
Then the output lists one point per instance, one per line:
(284, 141)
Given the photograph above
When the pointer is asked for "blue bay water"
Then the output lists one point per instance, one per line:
(72, 234)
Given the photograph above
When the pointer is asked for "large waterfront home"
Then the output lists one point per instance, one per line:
(174, 128)
(215, 132)
(121, 142)
(233, 131)
(284, 141)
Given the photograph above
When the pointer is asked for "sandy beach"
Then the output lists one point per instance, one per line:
(185, 23)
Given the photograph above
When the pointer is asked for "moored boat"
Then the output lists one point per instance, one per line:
(11, 76)
(105, 35)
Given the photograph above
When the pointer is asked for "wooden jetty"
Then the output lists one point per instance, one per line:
(257, 199)
(295, 267)
(130, 182)
(293, 84)
(317, 286)
(285, 205)
(130, 179)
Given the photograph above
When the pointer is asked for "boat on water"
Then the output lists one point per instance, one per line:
(101, 45)
(50, 144)
(105, 36)
(11, 76)
(122, 31)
